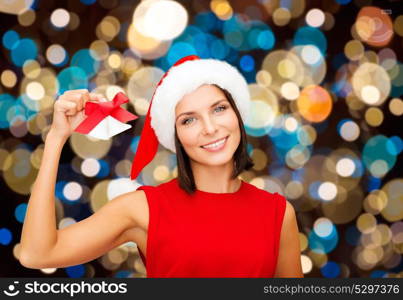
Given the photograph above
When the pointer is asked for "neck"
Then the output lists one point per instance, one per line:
(215, 179)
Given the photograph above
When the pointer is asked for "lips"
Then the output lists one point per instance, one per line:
(214, 141)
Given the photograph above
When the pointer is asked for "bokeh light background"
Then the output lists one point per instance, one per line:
(326, 80)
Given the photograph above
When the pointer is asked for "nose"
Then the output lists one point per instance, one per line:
(210, 126)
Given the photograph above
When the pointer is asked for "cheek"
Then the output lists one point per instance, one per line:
(233, 127)
(232, 122)
(187, 137)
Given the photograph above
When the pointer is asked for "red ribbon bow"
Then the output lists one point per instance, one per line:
(97, 111)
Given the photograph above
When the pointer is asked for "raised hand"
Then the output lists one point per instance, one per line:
(69, 111)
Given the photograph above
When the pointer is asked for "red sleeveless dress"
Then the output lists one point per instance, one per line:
(212, 234)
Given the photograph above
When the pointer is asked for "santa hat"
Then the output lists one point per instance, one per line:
(185, 76)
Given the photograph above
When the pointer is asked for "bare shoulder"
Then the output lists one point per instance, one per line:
(135, 206)
(289, 211)
(289, 208)
(131, 198)
(289, 217)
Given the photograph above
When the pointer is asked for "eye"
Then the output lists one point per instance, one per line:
(185, 121)
(222, 107)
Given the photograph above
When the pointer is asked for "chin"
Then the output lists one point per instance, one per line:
(214, 163)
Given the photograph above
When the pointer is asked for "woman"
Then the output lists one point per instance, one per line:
(176, 224)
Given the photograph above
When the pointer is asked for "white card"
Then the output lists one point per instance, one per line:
(107, 128)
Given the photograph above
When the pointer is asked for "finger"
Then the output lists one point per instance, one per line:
(97, 97)
(67, 107)
(83, 99)
(78, 98)
(72, 109)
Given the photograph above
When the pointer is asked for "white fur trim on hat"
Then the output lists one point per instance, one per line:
(187, 77)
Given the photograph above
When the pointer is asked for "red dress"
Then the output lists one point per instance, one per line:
(212, 234)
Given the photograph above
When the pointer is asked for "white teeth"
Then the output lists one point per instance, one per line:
(215, 145)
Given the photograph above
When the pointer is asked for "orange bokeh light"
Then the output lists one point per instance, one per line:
(314, 103)
(374, 26)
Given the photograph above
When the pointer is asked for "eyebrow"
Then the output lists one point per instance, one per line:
(192, 112)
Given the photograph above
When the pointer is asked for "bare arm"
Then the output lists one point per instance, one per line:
(289, 257)
(42, 245)
(39, 232)
(94, 236)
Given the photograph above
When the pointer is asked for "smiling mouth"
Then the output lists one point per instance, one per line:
(216, 144)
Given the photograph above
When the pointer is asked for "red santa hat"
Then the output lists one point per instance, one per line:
(185, 76)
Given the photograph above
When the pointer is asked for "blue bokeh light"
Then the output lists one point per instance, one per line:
(6, 236)
(379, 148)
(320, 244)
(201, 43)
(396, 145)
(104, 170)
(10, 39)
(207, 21)
(123, 274)
(330, 270)
(284, 139)
(75, 271)
(378, 274)
(179, 50)
(311, 36)
(6, 103)
(72, 78)
(373, 183)
(22, 51)
(134, 143)
(266, 40)
(88, 2)
(247, 63)
(219, 49)
(86, 59)
(59, 190)
(343, 2)
(20, 211)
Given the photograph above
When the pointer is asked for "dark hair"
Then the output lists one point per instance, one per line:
(242, 161)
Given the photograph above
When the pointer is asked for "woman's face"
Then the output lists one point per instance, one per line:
(202, 117)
